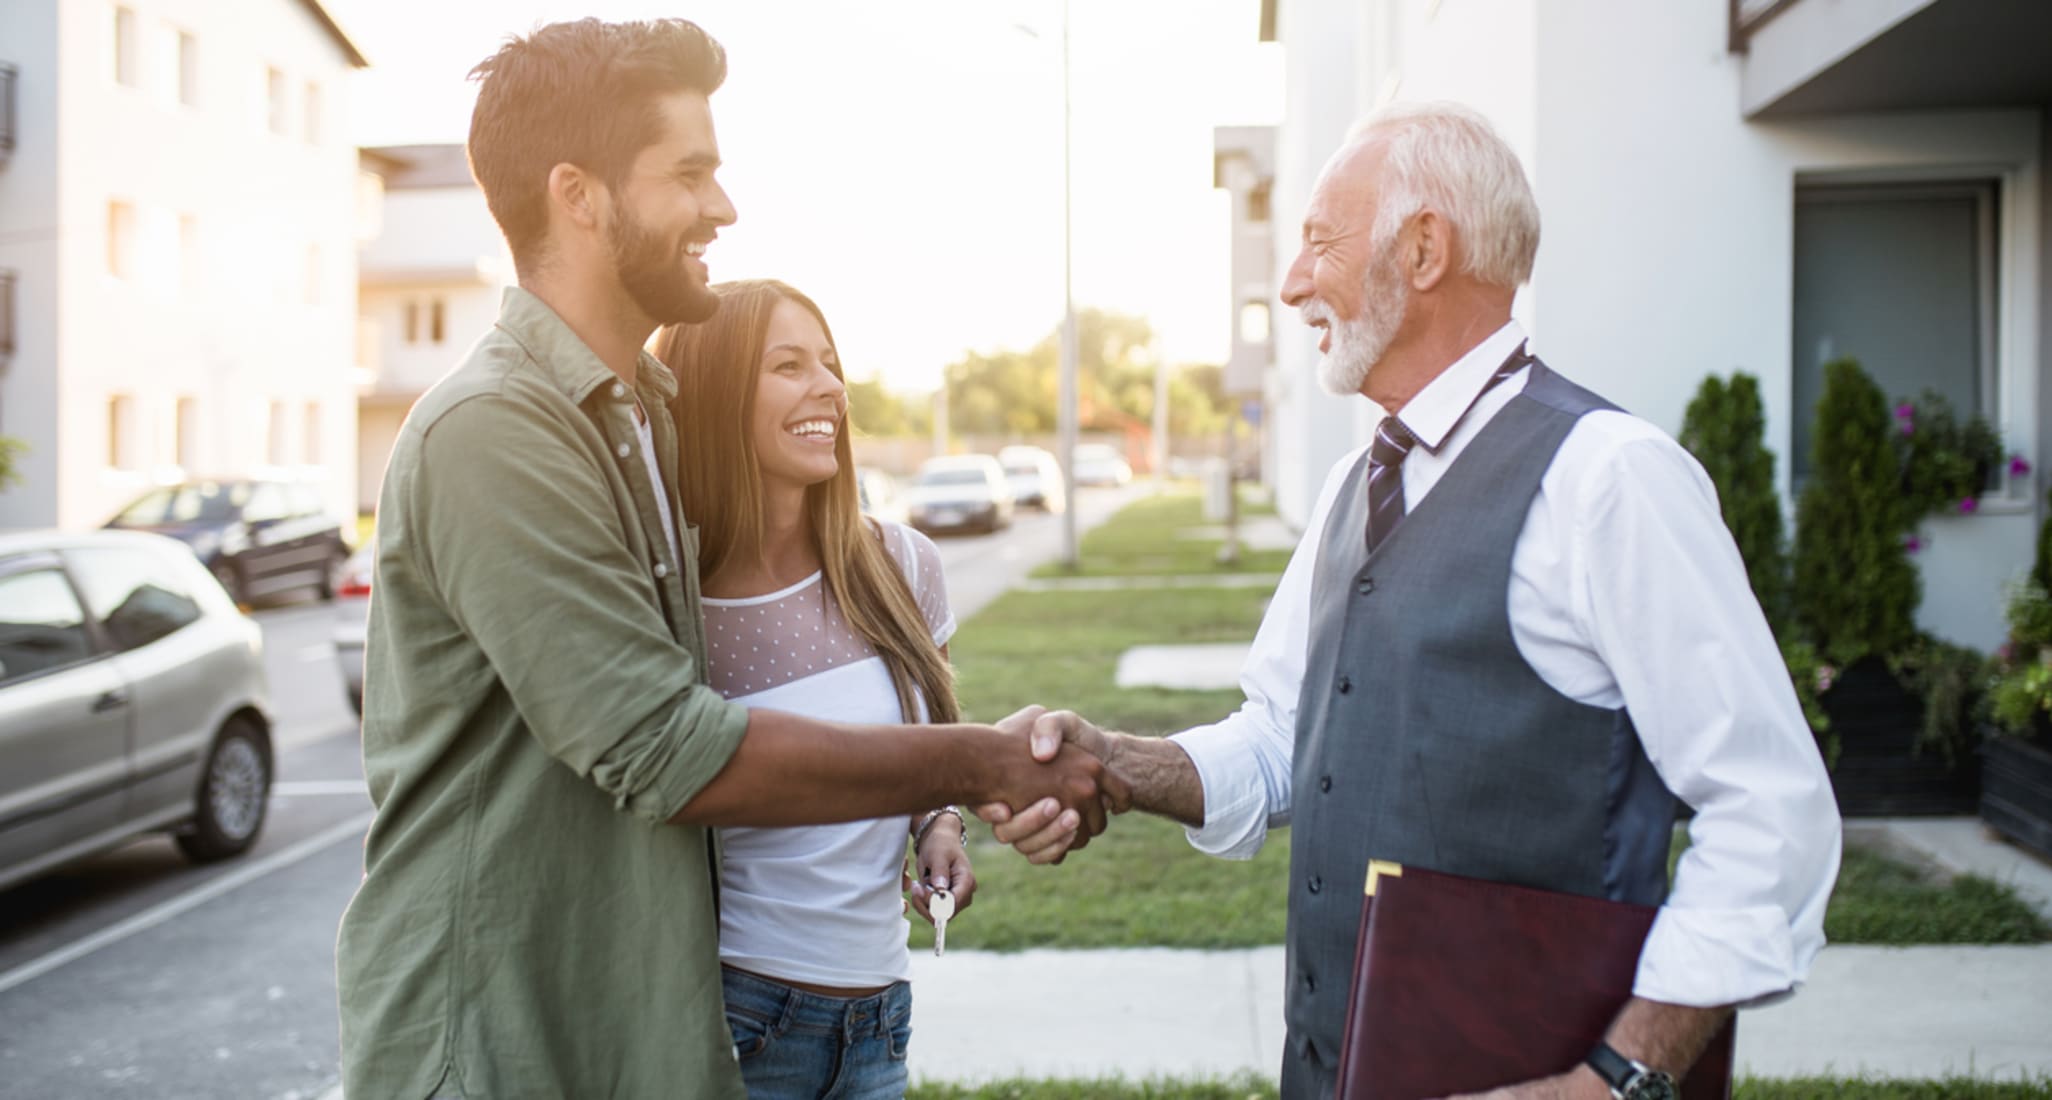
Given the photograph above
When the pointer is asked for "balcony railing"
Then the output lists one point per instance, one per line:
(8, 75)
(7, 280)
(1748, 16)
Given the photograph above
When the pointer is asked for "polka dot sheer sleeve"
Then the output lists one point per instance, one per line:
(920, 561)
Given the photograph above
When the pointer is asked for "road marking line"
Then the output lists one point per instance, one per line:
(150, 918)
(320, 786)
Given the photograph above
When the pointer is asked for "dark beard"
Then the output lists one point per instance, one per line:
(654, 275)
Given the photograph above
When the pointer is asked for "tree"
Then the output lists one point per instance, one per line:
(877, 412)
(1726, 429)
(1856, 592)
(1014, 393)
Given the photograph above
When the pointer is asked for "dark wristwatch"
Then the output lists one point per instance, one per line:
(1630, 1080)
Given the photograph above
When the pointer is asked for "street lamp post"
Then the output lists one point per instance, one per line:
(1065, 415)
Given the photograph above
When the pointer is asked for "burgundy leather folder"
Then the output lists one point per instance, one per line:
(1462, 985)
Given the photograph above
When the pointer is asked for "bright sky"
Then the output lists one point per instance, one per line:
(901, 162)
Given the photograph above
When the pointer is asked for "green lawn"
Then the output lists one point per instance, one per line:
(1881, 900)
(1145, 538)
(1833, 1088)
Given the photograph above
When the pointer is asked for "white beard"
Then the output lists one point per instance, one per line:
(1358, 345)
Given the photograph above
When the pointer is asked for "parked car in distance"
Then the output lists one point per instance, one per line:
(258, 536)
(878, 495)
(954, 492)
(1035, 478)
(1099, 464)
(132, 699)
(352, 619)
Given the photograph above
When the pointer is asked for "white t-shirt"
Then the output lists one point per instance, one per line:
(817, 903)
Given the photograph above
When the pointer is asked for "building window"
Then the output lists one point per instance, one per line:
(120, 239)
(121, 432)
(185, 434)
(310, 434)
(312, 109)
(127, 48)
(188, 70)
(436, 316)
(412, 321)
(274, 102)
(1257, 204)
(276, 453)
(1254, 323)
(190, 264)
(1902, 279)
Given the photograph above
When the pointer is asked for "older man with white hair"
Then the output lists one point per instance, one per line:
(1516, 636)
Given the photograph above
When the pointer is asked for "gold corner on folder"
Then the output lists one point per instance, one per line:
(1380, 867)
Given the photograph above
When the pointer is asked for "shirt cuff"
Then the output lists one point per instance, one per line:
(1708, 958)
(704, 732)
(1235, 810)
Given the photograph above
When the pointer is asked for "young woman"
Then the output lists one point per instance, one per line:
(809, 607)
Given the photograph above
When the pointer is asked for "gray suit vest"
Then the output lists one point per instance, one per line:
(1423, 737)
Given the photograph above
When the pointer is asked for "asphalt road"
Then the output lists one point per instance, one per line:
(135, 974)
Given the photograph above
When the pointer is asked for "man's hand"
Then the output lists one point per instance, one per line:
(1067, 790)
(1045, 832)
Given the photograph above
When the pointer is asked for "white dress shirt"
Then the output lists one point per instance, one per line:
(1626, 590)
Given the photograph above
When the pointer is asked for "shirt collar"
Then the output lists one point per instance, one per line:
(564, 359)
(1433, 413)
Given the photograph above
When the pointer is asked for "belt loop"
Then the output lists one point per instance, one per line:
(791, 999)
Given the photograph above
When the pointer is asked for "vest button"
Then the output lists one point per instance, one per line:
(1316, 884)
(1365, 585)
(1324, 783)
(1345, 685)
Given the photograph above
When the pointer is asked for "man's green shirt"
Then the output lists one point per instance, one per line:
(534, 713)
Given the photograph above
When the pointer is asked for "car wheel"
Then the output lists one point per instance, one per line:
(234, 794)
(330, 566)
(230, 577)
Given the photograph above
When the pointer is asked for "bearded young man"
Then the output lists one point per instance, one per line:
(537, 913)
(1516, 632)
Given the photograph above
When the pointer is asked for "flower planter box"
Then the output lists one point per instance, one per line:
(2016, 791)
(1881, 770)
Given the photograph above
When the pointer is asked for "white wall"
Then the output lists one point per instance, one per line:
(28, 245)
(274, 212)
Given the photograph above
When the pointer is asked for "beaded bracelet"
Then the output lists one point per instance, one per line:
(926, 824)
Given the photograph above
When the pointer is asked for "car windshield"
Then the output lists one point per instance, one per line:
(956, 475)
(200, 501)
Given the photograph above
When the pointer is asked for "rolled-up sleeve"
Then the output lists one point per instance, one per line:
(1667, 604)
(538, 567)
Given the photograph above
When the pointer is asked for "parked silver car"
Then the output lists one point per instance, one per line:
(132, 699)
(960, 491)
(1035, 478)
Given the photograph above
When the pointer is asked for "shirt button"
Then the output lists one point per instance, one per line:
(1316, 884)
(661, 570)
(623, 450)
(619, 391)
(1345, 685)
(1365, 585)
(1324, 783)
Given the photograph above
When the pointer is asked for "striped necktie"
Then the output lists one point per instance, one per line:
(1393, 443)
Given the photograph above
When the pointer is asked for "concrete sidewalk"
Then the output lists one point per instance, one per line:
(1916, 1012)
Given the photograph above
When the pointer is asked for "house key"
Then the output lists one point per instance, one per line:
(941, 906)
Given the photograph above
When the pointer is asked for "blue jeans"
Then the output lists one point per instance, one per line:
(796, 1045)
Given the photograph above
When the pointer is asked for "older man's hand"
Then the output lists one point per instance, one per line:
(1045, 832)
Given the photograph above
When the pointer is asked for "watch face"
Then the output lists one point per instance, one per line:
(1650, 1085)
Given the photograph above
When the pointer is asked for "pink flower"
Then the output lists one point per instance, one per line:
(2018, 467)
(2005, 653)
(1826, 676)
(1968, 506)
(1913, 544)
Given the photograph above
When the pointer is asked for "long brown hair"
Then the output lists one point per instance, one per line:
(717, 364)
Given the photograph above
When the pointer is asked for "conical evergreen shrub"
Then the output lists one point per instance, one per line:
(1855, 592)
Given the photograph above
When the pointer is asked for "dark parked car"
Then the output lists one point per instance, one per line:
(132, 699)
(258, 537)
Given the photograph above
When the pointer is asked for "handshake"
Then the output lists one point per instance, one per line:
(1078, 776)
